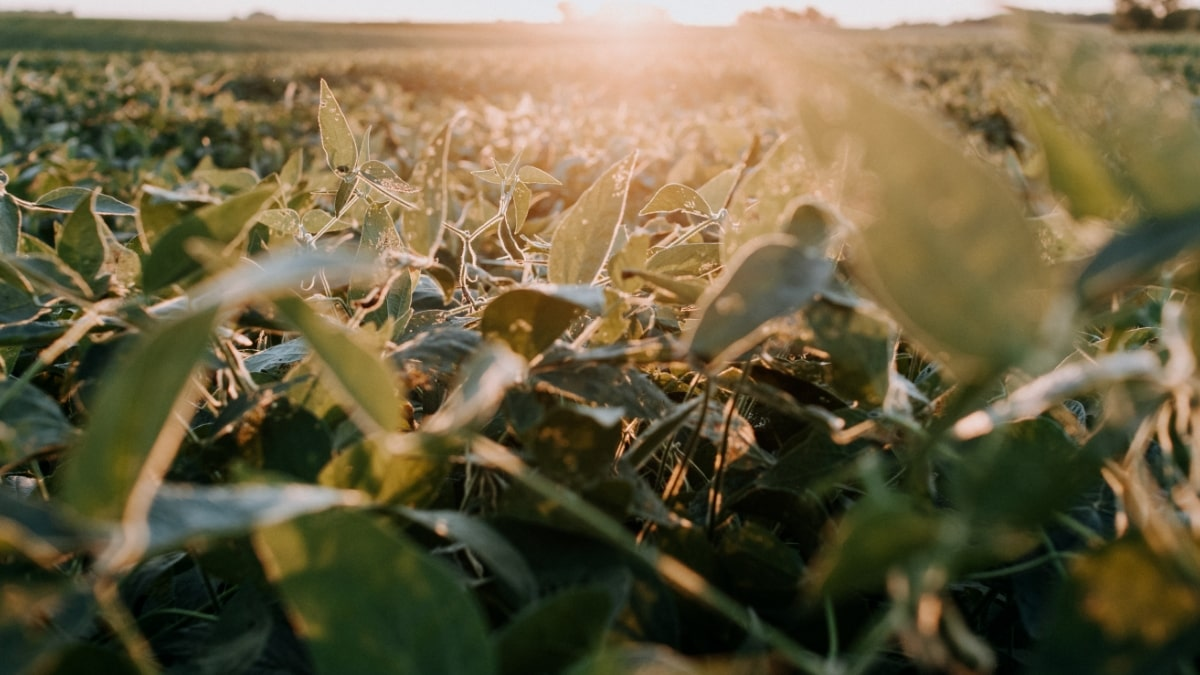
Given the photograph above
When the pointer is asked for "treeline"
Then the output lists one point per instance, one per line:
(1165, 15)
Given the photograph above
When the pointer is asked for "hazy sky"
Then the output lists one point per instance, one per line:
(848, 12)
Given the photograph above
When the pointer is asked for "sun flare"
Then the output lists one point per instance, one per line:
(615, 13)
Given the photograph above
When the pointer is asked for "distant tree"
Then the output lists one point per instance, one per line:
(810, 16)
(1129, 15)
(570, 12)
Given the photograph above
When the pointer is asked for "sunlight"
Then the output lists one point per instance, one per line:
(615, 13)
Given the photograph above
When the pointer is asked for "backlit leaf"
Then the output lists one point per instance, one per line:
(68, 199)
(532, 174)
(381, 177)
(227, 220)
(584, 236)
(675, 197)
(686, 260)
(718, 188)
(366, 383)
(940, 238)
(423, 225)
(337, 140)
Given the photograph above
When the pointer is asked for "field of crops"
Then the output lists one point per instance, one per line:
(513, 349)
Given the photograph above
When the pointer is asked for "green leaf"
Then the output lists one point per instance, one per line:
(1019, 476)
(481, 384)
(940, 237)
(227, 180)
(693, 260)
(502, 558)
(1133, 256)
(676, 197)
(400, 469)
(532, 174)
(555, 632)
(68, 199)
(758, 205)
(518, 209)
(10, 224)
(283, 222)
(366, 600)
(381, 177)
(1076, 168)
(881, 533)
(227, 220)
(681, 292)
(337, 140)
(575, 445)
(423, 225)
(587, 231)
(182, 513)
(528, 320)
(659, 432)
(83, 242)
(860, 348)
(718, 188)
(365, 382)
(759, 564)
(30, 422)
(107, 467)
(768, 279)
(1125, 609)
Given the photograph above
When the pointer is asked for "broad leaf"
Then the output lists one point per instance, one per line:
(766, 280)
(528, 320)
(395, 609)
(675, 197)
(501, 557)
(557, 631)
(941, 238)
(68, 199)
(182, 513)
(364, 380)
(337, 140)
(584, 236)
(1125, 609)
(400, 469)
(108, 464)
(481, 384)
(83, 242)
(10, 224)
(718, 188)
(381, 177)
(423, 225)
(30, 421)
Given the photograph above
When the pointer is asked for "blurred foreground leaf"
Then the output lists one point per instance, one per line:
(102, 472)
(367, 600)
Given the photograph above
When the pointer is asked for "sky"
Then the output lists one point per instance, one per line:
(853, 13)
